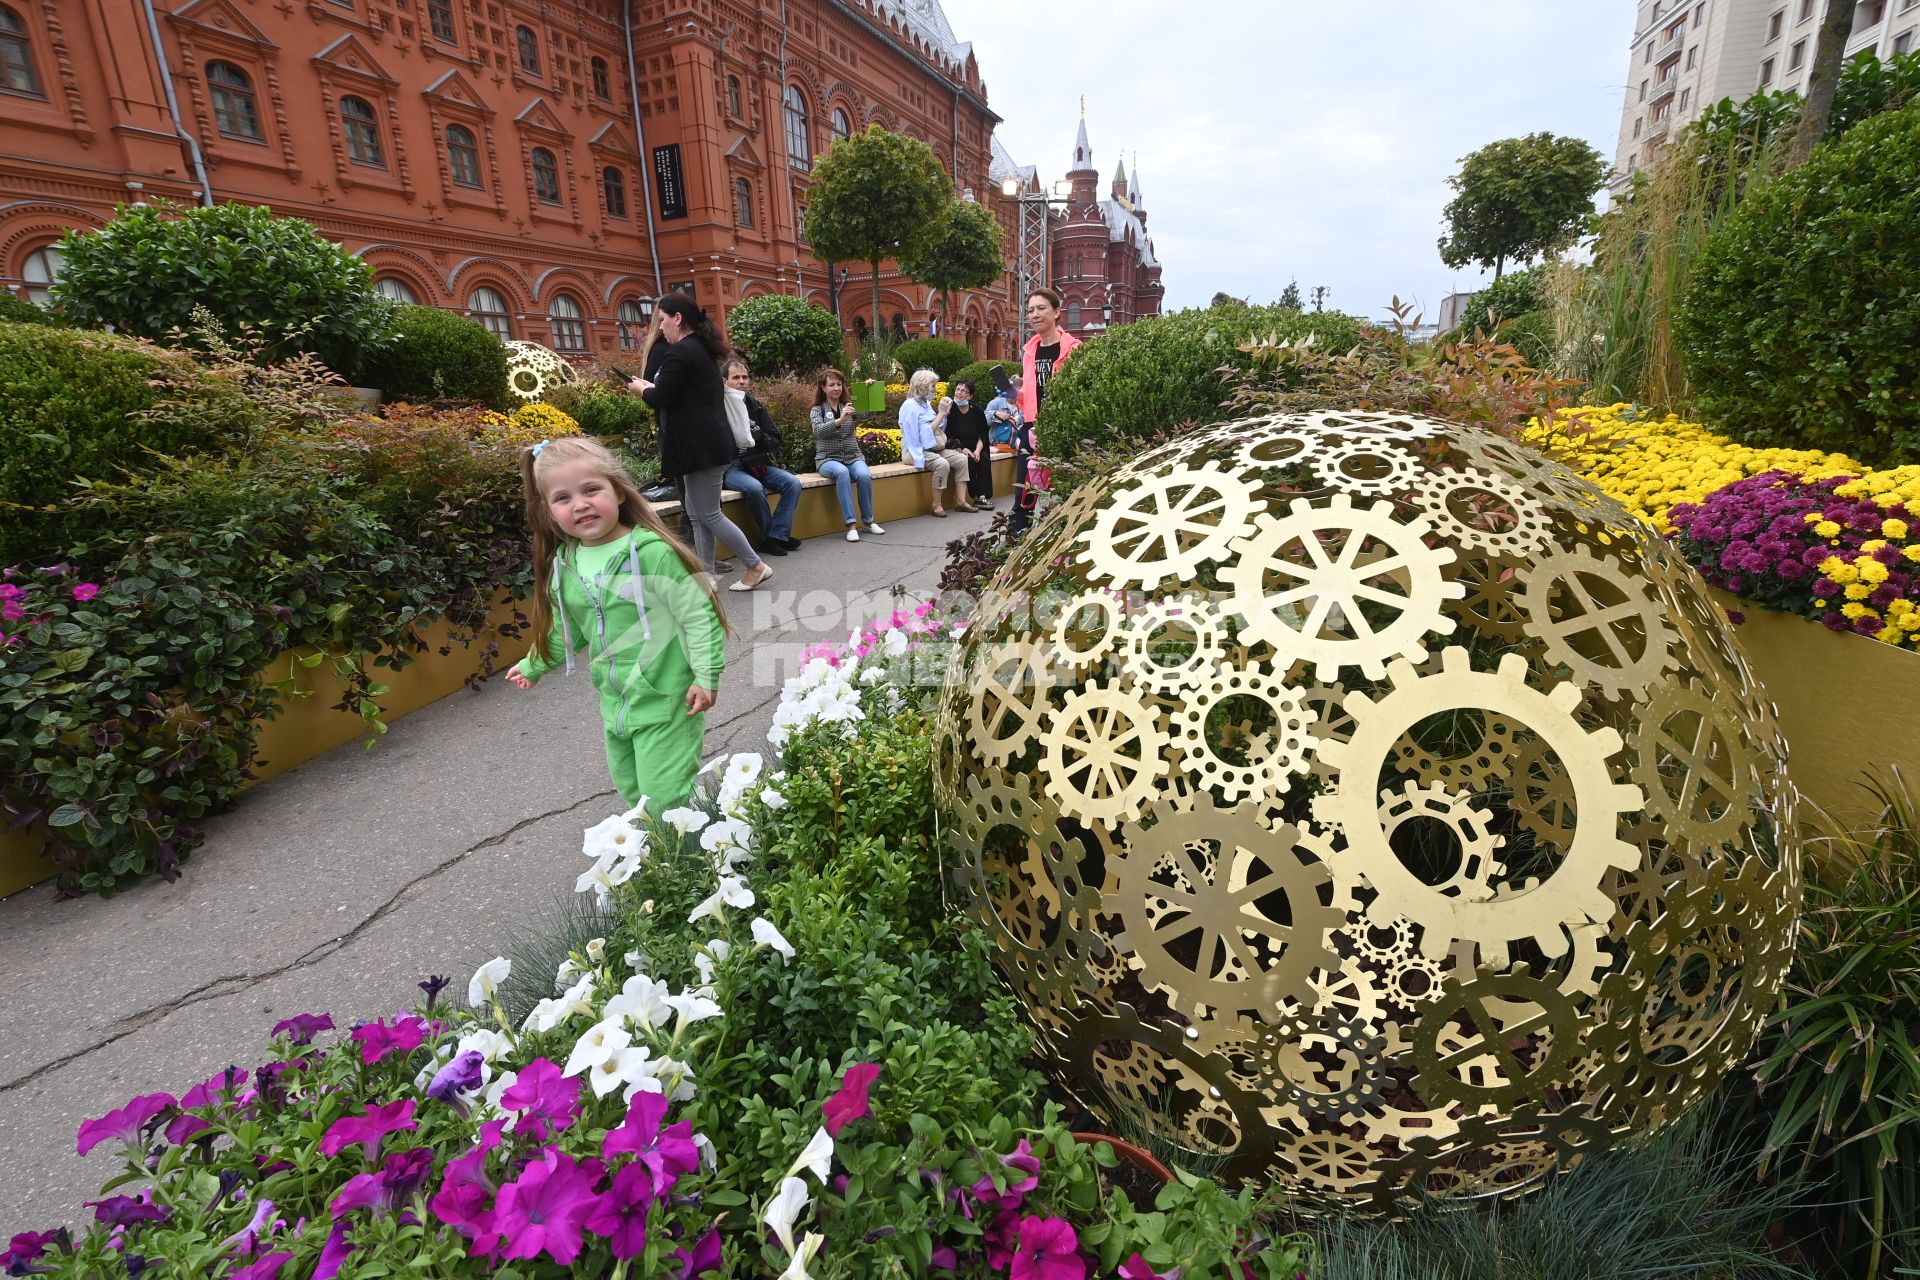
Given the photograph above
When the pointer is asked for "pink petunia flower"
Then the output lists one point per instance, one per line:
(1048, 1250)
(666, 1153)
(266, 1269)
(546, 1209)
(368, 1128)
(1138, 1268)
(86, 591)
(702, 1258)
(546, 1100)
(849, 1101)
(465, 1199)
(124, 1123)
(621, 1214)
(378, 1039)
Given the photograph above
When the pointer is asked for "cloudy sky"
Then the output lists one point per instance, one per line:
(1281, 139)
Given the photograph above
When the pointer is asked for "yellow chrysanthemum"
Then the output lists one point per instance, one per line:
(1826, 529)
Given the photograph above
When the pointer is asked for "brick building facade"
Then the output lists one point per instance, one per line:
(492, 156)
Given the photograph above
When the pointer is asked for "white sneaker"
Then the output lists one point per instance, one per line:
(853, 535)
(874, 528)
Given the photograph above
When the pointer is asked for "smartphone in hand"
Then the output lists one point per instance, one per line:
(1001, 382)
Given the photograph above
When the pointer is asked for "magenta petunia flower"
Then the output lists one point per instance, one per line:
(1048, 1250)
(666, 1153)
(126, 1211)
(944, 1258)
(266, 1268)
(546, 1100)
(124, 1123)
(849, 1101)
(1022, 1159)
(86, 591)
(1138, 1268)
(621, 1214)
(546, 1209)
(378, 1039)
(301, 1028)
(368, 1128)
(389, 1189)
(702, 1258)
(246, 1241)
(31, 1246)
(333, 1254)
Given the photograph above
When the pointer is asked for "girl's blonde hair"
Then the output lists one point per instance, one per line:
(635, 512)
(923, 382)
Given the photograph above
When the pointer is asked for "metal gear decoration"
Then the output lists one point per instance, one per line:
(1361, 801)
(534, 371)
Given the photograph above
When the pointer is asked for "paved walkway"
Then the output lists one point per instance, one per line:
(339, 885)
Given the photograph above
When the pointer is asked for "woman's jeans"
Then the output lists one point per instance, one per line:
(775, 526)
(703, 508)
(844, 478)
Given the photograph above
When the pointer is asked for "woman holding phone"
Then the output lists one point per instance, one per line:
(836, 450)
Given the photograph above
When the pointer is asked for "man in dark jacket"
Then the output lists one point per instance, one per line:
(755, 474)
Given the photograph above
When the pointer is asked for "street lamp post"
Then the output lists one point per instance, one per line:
(1033, 238)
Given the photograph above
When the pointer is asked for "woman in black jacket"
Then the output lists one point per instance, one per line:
(967, 431)
(696, 444)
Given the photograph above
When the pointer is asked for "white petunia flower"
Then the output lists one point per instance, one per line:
(645, 1082)
(708, 1156)
(564, 976)
(818, 1156)
(601, 1041)
(491, 1044)
(797, 1269)
(618, 1069)
(772, 799)
(597, 950)
(733, 892)
(873, 675)
(486, 980)
(693, 1007)
(677, 1077)
(785, 1206)
(639, 811)
(729, 833)
(598, 877)
(705, 957)
(615, 836)
(642, 1001)
(686, 820)
(575, 1000)
(501, 1083)
(765, 935)
(894, 643)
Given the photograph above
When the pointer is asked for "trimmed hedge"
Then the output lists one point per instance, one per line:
(781, 335)
(1515, 294)
(1152, 376)
(15, 309)
(982, 380)
(437, 356)
(1801, 327)
(938, 354)
(77, 405)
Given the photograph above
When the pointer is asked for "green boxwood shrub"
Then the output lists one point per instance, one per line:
(1800, 328)
(1155, 374)
(943, 357)
(15, 309)
(781, 335)
(76, 406)
(978, 374)
(1515, 294)
(272, 284)
(436, 355)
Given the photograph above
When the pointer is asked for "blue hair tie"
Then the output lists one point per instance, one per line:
(537, 448)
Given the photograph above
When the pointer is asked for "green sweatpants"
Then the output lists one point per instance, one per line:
(657, 761)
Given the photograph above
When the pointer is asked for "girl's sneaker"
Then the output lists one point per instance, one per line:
(874, 528)
(853, 535)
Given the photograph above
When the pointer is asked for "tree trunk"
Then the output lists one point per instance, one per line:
(1822, 80)
(876, 295)
(1499, 264)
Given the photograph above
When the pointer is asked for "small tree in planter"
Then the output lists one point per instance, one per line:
(276, 283)
(780, 335)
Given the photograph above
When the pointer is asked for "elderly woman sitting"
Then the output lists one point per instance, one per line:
(923, 441)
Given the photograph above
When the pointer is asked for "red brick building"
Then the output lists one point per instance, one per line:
(542, 165)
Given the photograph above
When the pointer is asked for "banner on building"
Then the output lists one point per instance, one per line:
(668, 181)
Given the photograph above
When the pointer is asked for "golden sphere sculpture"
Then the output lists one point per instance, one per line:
(534, 371)
(1367, 803)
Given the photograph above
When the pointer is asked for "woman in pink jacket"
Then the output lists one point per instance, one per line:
(1046, 351)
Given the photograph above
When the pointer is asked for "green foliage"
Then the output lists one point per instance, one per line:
(782, 336)
(1289, 299)
(78, 406)
(1520, 198)
(876, 195)
(1679, 1204)
(980, 374)
(1161, 372)
(964, 253)
(938, 354)
(1797, 328)
(276, 279)
(15, 309)
(437, 356)
(605, 410)
(1511, 296)
(1838, 1069)
(131, 716)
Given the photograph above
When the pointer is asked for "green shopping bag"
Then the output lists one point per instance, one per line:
(870, 397)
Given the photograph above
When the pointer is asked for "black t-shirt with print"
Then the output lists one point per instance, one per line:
(1043, 361)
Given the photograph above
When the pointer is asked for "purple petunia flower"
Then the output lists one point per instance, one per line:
(666, 1153)
(268, 1268)
(29, 1247)
(368, 1128)
(433, 986)
(124, 1123)
(620, 1215)
(86, 591)
(332, 1254)
(301, 1028)
(127, 1211)
(465, 1198)
(391, 1188)
(462, 1075)
(702, 1258)
(246, 1241)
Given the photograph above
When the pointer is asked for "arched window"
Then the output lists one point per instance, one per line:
(799, 150)
(842, 127)
(235, 113)
(602, 80)
(396, 288)
(490, 309)
(899, 325)
(16, 55)
(734, 107)
(743, 202)
(633, 324)
(40, 270)
(363, 131)
(440, 18)
(569, 330)
(546, 176)
(1073, 315)
(613, 184)
(529, 46)
(463, 156)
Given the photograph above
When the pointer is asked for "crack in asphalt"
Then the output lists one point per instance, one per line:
(231, 984)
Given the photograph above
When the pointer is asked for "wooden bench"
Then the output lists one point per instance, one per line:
(900, 492)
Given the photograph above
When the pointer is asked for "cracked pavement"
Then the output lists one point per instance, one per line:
(340, 884)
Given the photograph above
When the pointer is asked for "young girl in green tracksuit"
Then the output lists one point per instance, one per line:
(609, 577)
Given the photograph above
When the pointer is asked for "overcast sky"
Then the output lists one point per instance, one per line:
(1280, 139)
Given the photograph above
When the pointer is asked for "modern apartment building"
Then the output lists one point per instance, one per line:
(1688, 54)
